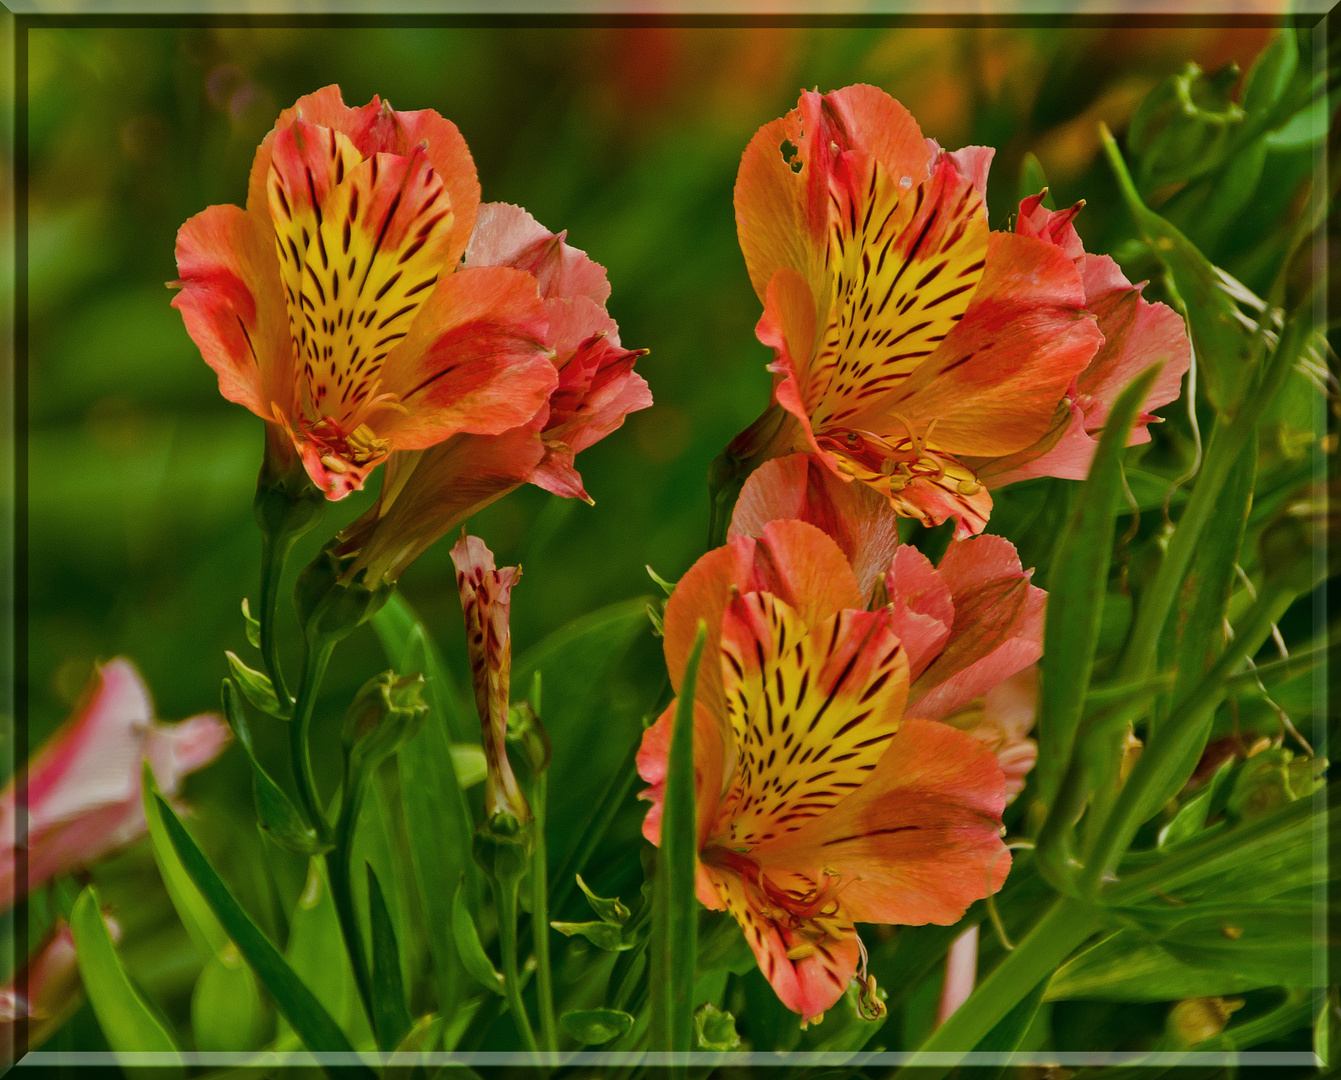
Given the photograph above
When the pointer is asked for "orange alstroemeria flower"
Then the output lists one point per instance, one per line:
(972, 626)
(426, 495)
(335, 305)
(916, 351)
(820, 802)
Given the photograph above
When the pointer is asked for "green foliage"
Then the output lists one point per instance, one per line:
(130, 1023)
(391, 1016)
(473, 957)
(595, 1027)
(674, 947)
(227, 1012)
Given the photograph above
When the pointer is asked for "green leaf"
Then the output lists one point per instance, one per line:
(1077, 585)
(279, 819)
(1271, 72)
(592, 713)
(610, 911)
(127, 1021)
(1222, 344)
(437, 817)
(1211, 951)
(251, 625)
(257, 688)
(715, 1029)
(594, 1027)
(469, 764)
(473, 957)
(391, 1016)
(1032, 181)
(1191, 816)
(674, 945)
(227, 1013)
(1010, 1030)
(291, 996)
(316, 953)
(603, 935)
(205, 930)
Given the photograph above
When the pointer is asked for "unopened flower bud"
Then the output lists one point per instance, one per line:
(331, 606)
(1198, 1019)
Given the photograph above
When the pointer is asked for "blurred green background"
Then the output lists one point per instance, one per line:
(141, 476)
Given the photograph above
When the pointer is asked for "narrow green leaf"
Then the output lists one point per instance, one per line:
(610, 911)
(603, 935)
(278, 818)
(251, 624)
(127, 1022)
(291, 996)
(1011, 1029)
(438, 824)
(593, 1027)
(1271, 72)
(1077, 584)
(256, 687)
(227, 1012)
(1191, 816)
(1222, 344)
(468, 762)
(316, 952)
(675, 922)
(473, 957)
(205, 931)
(391, 1016)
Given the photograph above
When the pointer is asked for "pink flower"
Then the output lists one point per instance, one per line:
(47, 989)
(79, 795)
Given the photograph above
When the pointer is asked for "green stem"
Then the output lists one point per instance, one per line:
(338, 866)
(544, 978)
(1175, 736)
(505, 899)
(314, 670)
(274, 555)
(1061, 929)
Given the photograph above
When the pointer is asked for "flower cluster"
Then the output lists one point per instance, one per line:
(861, 714)
(916, 351)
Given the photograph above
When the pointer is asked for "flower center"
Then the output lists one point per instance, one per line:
(810, 915)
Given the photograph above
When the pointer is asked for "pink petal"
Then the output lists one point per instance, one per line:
(922, 607)
(507, 235)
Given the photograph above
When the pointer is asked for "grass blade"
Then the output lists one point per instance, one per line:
(292, 998)
(675, 922)
(391, 1016)
(1077, 584)
(126, 1020)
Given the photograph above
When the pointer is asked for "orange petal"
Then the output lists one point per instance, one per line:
(771, 219)
(801, 487)
(709, 767)
(427, 494)
(793, 560)
(994, 384)
(809, 985)
(473, 360)
(880, 126)
(232, 304)
(811, 711)
(919, 842)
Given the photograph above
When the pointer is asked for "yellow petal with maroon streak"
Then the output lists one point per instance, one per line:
(904, 264)
(379, 252)
(811, 712)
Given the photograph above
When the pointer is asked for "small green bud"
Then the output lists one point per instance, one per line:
(329, 605)
(386, 713)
